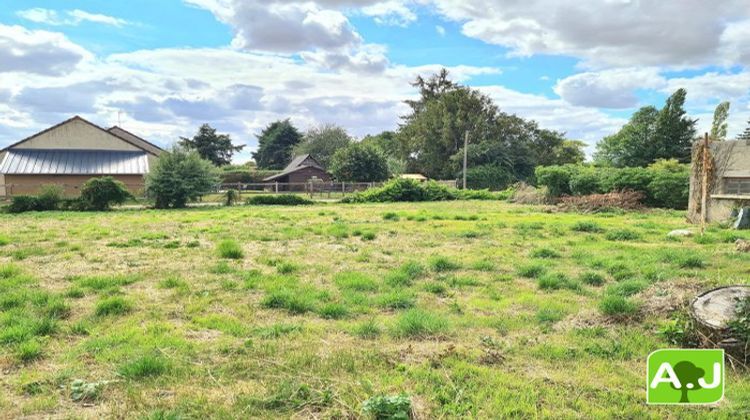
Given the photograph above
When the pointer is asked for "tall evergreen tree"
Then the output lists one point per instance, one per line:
(215, 148)
(675, 131)
(275, 145)
(719, 125)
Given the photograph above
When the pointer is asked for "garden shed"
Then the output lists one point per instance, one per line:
(727, 175)
(72, 152)
(300, 170)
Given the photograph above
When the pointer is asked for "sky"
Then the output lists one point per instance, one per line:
(162, 68)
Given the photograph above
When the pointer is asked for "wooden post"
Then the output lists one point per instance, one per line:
(276, 186)
(466, 154)
(704, 184)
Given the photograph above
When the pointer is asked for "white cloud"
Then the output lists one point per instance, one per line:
(392, 12)
(38, 52)
(609, 33)
(609, 88)
(69, 17)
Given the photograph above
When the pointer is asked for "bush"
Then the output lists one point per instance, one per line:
(585, 183)
(180, 176)
(663, 184)
(555, 178)
(49, 197)
(490, 177)
(670, 189)
(99, 194)
(22, 204)
(278, 200)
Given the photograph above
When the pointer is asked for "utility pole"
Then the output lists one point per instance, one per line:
(466, 154)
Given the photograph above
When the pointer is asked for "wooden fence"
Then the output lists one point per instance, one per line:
(312, 188)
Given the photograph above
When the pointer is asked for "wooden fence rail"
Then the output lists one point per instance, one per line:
(312, 188)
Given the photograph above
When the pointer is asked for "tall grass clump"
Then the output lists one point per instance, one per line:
(417, 323)
(145, 367)
(442, 264)
(618, 306)
(622, 235)
(230, 249)
(587, 227)
(113, 306)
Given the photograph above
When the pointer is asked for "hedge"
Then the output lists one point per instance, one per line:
(664, 184)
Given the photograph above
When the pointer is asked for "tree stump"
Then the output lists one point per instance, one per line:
(713, 311)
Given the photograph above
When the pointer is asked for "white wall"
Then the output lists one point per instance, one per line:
(77, 134)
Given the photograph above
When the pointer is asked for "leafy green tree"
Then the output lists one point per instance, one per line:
(360, 163)
(322, 142)
(432, 136)
(631, 146)
(745, 135)
(217, 148)
(275, 145)
(688, 375)
(180, 176)
(719, 125)
(650, 135)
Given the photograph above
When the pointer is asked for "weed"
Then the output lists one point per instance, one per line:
(333, 311)
(391, 216)
(29, 351)
(294, 302)
(388, 407)
(397, 300)
(351, 280)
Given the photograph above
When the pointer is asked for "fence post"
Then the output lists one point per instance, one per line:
(276, 186)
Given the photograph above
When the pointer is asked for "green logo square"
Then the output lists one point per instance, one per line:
(685, 376)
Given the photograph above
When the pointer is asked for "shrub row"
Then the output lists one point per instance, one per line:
(278, 200)
(411, 190)
(663, 184)
(96, 194)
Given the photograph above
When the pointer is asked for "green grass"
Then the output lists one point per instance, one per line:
(472, 309)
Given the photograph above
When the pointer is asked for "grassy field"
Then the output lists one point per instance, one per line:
(472, 309)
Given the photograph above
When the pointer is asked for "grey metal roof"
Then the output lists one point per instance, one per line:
(73, 162)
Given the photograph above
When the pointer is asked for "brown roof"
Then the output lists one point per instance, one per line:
(78, 118)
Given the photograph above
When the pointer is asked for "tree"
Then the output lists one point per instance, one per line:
(745, 135)
(650, 135)
(688, 375)
(180, 176)
(388, 143)
(360, 163)
(631, 146)
(719, 126)
(217, 148)
(322, 142)
(675, 131)
(275, 145)
(502, 147)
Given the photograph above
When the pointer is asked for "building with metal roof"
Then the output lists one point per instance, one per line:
(72, 152)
